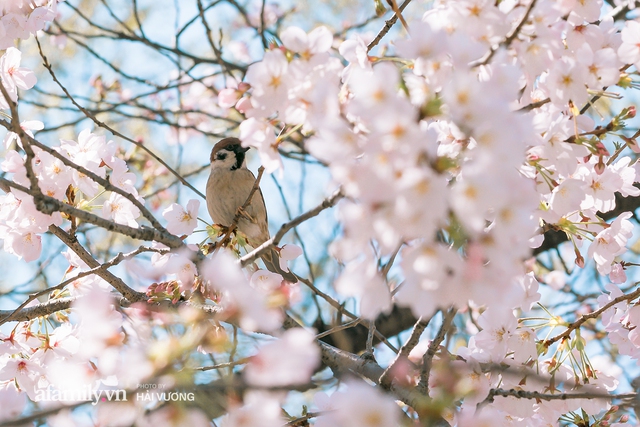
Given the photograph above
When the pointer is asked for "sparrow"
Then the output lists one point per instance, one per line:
(228, 188)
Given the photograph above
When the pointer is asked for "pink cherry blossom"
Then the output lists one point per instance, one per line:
(38, 19)
(182, 221)
(617, 274)
(566, 82)
(270, 83)
(530, 295)
(25, 372)
(611, 242)
(27, 126)
(15, 77)
(362, 280)
(359, 405)
(12, 400)
(260, 134)
(228, 97)
(224, 275)
(99, 323)
(498, 326)
(259, 409)
(287, 361)
(120, 210)
(289, 252)
(27, 245)
(317, 41)
(629, 50)
(181, 265)
(264, 279)
(355, 51)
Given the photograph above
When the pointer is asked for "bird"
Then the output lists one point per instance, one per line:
(228, 189)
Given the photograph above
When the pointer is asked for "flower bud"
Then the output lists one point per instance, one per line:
(380, 9)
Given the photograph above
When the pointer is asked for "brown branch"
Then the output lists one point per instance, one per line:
(17, 129)
(398, 12)
(72, 242)
(403, 354)
(534, 105)
(341, 361)
(387, 26)
(22, 314)
(340, 309)
(427, 359)
(103, 125)
(553, 238)
(593, 315)
(96, 178)
(263, 248)
(523, 394)
(158, 47)
(508, 40)
(48, 205)
(114, 261)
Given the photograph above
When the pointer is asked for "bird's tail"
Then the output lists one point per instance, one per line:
(271, 260)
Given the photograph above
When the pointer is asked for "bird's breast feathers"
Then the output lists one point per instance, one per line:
(228, 190)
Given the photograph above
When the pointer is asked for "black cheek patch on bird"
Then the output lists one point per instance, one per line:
(239, 160)
(240, 154)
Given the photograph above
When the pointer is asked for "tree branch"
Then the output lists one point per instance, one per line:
(263, 248)
(387, 26)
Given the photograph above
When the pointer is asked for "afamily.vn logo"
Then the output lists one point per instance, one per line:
(83, 394)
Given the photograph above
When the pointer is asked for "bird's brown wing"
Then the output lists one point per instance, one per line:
(255, 223)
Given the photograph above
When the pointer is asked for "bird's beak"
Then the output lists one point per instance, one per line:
(242, 149)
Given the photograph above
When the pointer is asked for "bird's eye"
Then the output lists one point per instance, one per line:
(221, 156)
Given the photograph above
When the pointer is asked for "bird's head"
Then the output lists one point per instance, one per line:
(228, 154)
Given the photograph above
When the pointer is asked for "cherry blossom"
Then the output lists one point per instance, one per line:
(629, 51)
(13, 76)
(121, 210)
(270, 83)
(289, 360)
(455, 148)
(240, 297)
(27, 126)
(180, 220)
(359, 405)
(259, 409)
(289, 252)
(317, 41)
(611, 242)
(25, 372)
(12, 400)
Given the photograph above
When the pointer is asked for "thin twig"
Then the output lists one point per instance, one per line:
(105, 183)
(427, 359)
(103, 125)
(115, 261)
(403, 354)
(263, 248)
(593, 315)
(387, 26)
(370, 334)
(48, 205)
(508, 40)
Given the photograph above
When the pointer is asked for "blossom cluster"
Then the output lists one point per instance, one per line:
(459, 154)
(489, 165)
(21, 224)
(455, 155)
(21, 18)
